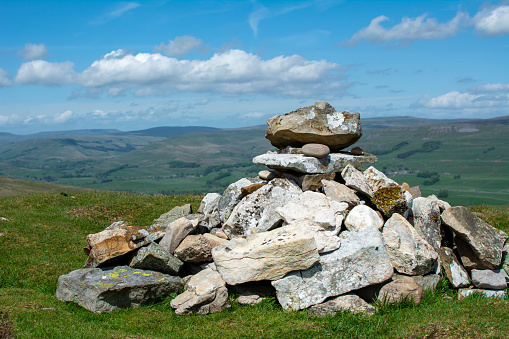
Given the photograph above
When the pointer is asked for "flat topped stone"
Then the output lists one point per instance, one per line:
(334, 162)
(319, 123)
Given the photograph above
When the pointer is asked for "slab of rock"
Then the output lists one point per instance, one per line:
(257, 211)
(315, 150)
(175, 233)
(197, 248)
(117, 240)
(335, 162)
(426, 220)
(362, 260)
(209, 207)
(106, 290)
(401, 289)
(356, 180)
(362, 216)
(489, 279)
(205, 293)
(344, 303)
(307, 182)
(265, 256)
(267, 175)
(313, 212)
(319, 123)
(485, 241)
(465, 292)
(455, 272)
(409, 252)
(175, 213)
(232, 195)
(154, 257)
(340, 193)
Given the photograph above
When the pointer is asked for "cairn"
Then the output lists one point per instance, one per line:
(315, 230)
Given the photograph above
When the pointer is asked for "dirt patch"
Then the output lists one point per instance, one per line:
(6, 326)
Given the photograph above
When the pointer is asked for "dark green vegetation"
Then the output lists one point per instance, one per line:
(469, 159)
(44, 237)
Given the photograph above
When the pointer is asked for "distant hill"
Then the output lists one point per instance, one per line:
(6, 138)
(168, 132)
(12, 187)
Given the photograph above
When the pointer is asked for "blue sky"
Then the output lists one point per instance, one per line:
(135, 65)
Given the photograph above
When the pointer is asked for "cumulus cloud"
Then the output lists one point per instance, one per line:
(455, 100)
(181, 46)
(408, 30)
(4, 78)
(33, 51)
(41, 72)
(492, 21)
(63, 117)
(119, 10)
(234, 72)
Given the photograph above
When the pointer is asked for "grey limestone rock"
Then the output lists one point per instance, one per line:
(106, 290)
(340, 193)
(176, 231)
(489, 279)
(175, 213)
(232, 195)
(356, 180)
(400, 289)
(465, 292)
(347, 302)
(362, 216)
(455, 272)
(154, 257)
(209, 207)
(426, 220)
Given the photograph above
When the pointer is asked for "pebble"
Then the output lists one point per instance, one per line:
(316, 150)
(267, 175)
(357, 151)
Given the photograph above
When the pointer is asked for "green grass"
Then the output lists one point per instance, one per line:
(44, 237)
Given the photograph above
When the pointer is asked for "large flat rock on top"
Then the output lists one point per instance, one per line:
(485, 241)
(334, 162)
(106, 290)
(320, 123)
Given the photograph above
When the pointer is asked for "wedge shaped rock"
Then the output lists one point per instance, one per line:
(455, 272)
(356, 180)
(257, 211)
(106, 290)
(320, 123)
(175, 233)
(409, 252)
(362, 260)
(265, 256)
(485, 241)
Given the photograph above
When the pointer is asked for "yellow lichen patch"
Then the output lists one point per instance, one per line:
(386, 198)
(146, 274)
(103, 284)
(122, 270)
(162, 279)
(112, 275)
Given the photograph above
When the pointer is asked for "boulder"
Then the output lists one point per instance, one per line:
(315, 150)
(335, 162)
(465, 292)
(197, 248)
(106, 290)
(426, 220)
(209, 207)
(175, 213)
(175, 233)
(232, 195)
(362, 216)
(356, 180)
(489, 279)
(344, 303)
(485, 241)
(319, 123)
(362, 260)
(257, 211)
(307, 182)
(205, 293)
(154, 257)
(455, 272)
(405, 288)
(340, 193)
(313, 212)
(409, 252)
(117, 240)
(265, 256)
(267, 175)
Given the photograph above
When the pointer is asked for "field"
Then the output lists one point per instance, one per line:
(43, 238)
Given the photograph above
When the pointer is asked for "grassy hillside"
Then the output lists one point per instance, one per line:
(44, 237)
(462, 160)
(12, 187)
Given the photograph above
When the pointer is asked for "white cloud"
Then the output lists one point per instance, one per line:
(461, 101)
(233, 72)
(181, 46)
(41, 72)
(4, 78)
(33, 51)
(492, 21)
(254, 115)
(256, 16)
(490, 88)
(63, 117)
(408, 30)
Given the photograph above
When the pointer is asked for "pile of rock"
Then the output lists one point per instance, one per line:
(317, 232)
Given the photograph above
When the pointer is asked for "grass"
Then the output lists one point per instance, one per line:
(44, 236)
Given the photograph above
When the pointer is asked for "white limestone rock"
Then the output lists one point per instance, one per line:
(209, 207)
(340, 193)
(362, 260)
(232, 195)
(362, 216)
(175, 233)
(356, 180)
(455, 272)
(426, 220)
